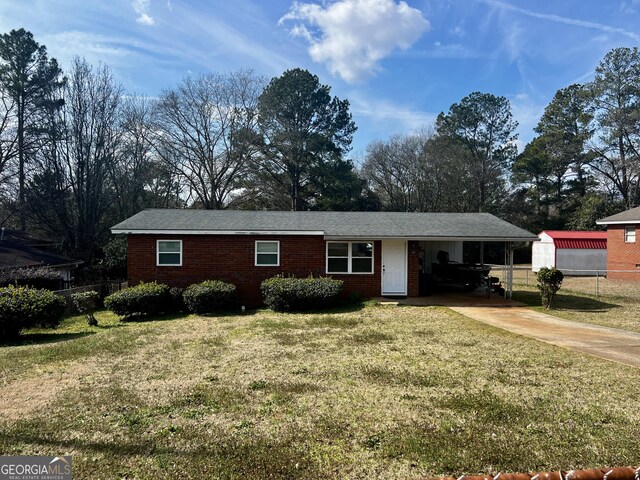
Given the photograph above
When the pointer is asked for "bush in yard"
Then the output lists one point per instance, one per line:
(209, 296)
(143, 299)
(24, 307)
(549, 281)
(290, 294)
(87, 303)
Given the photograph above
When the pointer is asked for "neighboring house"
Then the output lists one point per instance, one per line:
(623, 257)
(575, 253)
(375, 253)
(19, 250)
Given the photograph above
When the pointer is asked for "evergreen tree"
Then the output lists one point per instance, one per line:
(302, 129)
(29, 78)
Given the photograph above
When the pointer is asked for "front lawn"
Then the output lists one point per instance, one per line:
(378, 392)
(617, 309)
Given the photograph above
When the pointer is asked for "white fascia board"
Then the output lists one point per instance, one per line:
(432, 239)
(213, 232)
(618, 222)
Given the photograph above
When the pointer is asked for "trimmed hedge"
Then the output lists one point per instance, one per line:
(209, 296)
(290, 294)
(24, 307)
(143, 299)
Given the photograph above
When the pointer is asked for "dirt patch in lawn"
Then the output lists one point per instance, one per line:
(34, 393)
(167, 361)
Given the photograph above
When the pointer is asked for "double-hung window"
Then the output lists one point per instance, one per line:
(267, 253)
(169, 253)
(349, 257)
(630, 234)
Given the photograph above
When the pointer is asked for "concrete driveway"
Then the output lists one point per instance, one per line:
(609, 343)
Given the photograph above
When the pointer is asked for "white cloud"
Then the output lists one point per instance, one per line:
(141, 7)
(387, 113)
(352, 36)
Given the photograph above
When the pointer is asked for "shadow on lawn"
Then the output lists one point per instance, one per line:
(231, 458)
(566, 301)
(43, 338)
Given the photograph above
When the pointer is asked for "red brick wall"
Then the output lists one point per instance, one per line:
(413, 269)
(231, 258)
(622, 255)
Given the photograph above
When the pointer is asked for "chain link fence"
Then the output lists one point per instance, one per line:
(590, 282)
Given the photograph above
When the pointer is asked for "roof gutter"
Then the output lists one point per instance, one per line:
(618, 222)
(434, 239)
(121, 231)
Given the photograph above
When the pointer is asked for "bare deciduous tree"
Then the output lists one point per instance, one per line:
(419, 172)
(71, 193)
(205, 133)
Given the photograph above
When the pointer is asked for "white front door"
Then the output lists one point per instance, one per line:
(394, 267)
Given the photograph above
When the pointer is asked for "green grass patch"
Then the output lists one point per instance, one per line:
(615, 310)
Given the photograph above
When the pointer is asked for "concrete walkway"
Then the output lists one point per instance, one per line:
(604, 342)
(610, 343)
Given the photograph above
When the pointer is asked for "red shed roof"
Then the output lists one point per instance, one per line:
(578, 239)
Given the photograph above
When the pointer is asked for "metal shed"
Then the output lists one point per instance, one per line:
(575, 253)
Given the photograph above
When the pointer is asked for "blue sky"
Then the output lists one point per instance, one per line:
(398, 63)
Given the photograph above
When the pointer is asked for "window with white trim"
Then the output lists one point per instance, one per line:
(267, 253)
(169, 253)
(349, 257)
(630, 234)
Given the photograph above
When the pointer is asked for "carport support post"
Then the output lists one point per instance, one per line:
(509, 291)
(482, 253)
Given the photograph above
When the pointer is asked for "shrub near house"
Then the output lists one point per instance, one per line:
(143, 299)
(209, 296)
(24, 307)
(289, 294)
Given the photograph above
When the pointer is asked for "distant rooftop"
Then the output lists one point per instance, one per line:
(576, 234)
(16, 255)
(629, 216)
(578, 239)
(21, 249)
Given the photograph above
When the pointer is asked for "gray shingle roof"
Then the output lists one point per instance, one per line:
(331, 224)
(15, 255)
(629, 216)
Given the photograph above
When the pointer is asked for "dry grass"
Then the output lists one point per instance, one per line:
(376, 392)
(618, 307)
